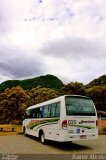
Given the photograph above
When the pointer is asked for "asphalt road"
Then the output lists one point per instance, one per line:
(19, 144)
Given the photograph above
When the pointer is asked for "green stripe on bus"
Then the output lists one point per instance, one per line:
(46, 124)
(88, 127)
(41, 122)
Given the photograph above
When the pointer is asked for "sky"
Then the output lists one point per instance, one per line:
(65, 38)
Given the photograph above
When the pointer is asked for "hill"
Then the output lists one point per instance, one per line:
(48, 81)
(97, 82)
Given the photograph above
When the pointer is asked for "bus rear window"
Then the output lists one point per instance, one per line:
(79, 106)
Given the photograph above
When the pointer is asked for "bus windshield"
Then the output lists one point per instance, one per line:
(79, 106)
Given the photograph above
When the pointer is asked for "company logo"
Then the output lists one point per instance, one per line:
(82, 121)
(72, 122)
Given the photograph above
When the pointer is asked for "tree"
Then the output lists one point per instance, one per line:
(12, 104)
(39, 94)
(101, 81)
(98, 94)
(73, 88)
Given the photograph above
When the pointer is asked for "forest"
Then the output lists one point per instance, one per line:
(17, 95)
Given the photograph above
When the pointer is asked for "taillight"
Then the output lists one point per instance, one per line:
(96, 123)
(64, 124)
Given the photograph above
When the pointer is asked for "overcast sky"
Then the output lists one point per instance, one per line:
(66, 38)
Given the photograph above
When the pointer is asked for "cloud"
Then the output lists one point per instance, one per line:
(64, 38)
(12, 14)
(75, 48)
(21, 67)
(81, 70)
(17, 63)
(76, 59)
(4, 24)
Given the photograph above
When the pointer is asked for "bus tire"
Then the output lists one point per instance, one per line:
(24, 131)
(42, 137)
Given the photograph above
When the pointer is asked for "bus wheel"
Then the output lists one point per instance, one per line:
(42, 138)
(25, 131)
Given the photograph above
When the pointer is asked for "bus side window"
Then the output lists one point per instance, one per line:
(58, 109)
(53, 110)
(28, 114)
(34, 114)
(39, 114)
(46, 111)
(42, 111)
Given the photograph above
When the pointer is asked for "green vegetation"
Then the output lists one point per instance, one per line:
(48, 81)
(96, 89)
(101, 81)
(41, 94)
(13, 102)
(74, 88)
(17, 95)
(98, 94)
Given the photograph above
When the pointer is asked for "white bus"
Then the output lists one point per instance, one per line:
(63, 119)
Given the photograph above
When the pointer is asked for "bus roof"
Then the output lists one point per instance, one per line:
(55, 100)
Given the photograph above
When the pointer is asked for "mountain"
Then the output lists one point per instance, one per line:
(96, 82)
(48, 81)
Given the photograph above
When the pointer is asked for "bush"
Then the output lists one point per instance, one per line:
(16, 122)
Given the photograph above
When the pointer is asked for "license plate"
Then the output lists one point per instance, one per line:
(83, 137)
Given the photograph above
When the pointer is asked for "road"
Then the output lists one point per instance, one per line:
(19, 144)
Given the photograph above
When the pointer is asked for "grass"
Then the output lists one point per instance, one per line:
(7, 129)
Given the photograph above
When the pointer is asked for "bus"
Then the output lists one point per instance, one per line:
(64, 119)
